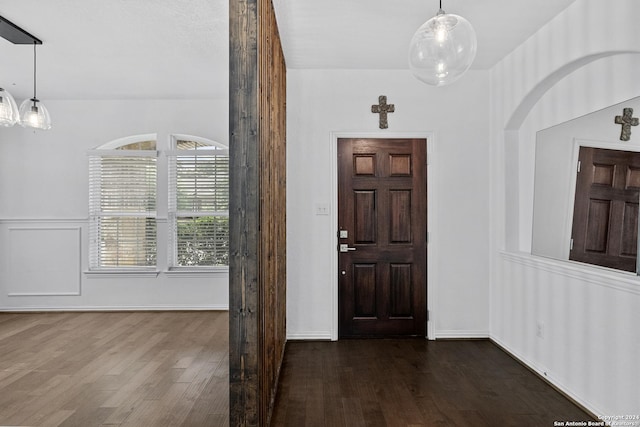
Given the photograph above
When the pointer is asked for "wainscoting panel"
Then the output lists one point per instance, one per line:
(44, 261)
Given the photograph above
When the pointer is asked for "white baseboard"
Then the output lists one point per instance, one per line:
(326, 336)
(213, 307)
(457, 334)
(309, 336)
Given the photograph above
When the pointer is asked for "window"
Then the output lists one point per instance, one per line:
(122, 204)
(605, 217)
(198, 203)
(125, 178)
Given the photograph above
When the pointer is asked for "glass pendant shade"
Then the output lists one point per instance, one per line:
(442, 49)
(8, 109)
(33, 114)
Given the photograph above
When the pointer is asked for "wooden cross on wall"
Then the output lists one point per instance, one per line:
(383, 108)
(626, 120)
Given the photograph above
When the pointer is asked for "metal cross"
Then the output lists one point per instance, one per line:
(383, 108)
(626, 120)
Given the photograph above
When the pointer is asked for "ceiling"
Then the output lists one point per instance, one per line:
(141, 49)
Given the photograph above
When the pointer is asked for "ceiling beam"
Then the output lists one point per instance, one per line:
(15, 34)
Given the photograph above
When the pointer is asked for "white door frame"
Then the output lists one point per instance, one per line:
(432, 203)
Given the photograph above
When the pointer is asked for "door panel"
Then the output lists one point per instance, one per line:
(629, 244)
(382, 205)
(400, 165)
(364, 217)
(364, 164)
(401, 291)
(598, 226)
(364, 279)
(400, 212)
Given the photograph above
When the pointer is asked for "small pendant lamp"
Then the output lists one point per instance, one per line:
(442, 49)
(33, 113)
(8, 109)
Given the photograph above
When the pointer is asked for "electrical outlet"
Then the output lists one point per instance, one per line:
(540, 329)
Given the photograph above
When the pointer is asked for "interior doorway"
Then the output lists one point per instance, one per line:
(382, 239)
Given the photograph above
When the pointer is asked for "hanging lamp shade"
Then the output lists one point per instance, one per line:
(8, 109)
(442, 49)
(33, 114)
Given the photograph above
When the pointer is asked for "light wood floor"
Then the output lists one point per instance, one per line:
(114, 369)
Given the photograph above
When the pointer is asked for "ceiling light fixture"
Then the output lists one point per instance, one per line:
(442, 49)
(8, 109)
(33, 113)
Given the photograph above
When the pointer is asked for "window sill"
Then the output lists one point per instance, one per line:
(121, 273)
(171, 272)
(196, 271)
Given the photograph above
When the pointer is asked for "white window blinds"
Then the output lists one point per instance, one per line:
(122, 208)
(198, 205)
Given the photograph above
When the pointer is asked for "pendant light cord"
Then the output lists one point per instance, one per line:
(34, 71)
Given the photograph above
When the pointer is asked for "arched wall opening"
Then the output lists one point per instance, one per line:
(579, 87)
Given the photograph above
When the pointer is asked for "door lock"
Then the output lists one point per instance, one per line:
(344, 247)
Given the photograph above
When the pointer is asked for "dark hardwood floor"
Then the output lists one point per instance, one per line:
(413, 383)
(114, 369)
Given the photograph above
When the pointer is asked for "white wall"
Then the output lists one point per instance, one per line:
(322, 102)
(44, 208)
(587, 317)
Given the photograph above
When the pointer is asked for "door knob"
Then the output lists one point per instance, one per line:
(345, 248)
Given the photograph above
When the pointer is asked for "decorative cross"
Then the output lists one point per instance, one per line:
(626, 120)
(383, 108)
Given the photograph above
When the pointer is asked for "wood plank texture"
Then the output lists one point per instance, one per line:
(413, 382)
(114, 369)
(257, 116)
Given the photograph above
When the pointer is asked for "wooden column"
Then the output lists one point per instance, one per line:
(257, 269)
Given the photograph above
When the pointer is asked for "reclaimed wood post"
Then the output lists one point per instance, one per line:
(257, 226)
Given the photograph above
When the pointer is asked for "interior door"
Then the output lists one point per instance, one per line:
(382, 240)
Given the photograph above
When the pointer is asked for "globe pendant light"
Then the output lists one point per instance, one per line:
(33, 113)
(8, 109)
(442, 49)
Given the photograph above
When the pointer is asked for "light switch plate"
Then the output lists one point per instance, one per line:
(322, 209)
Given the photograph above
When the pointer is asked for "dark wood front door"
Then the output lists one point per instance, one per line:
(382, 211)
(605, 216)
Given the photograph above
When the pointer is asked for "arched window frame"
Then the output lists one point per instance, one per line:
(123, 204)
